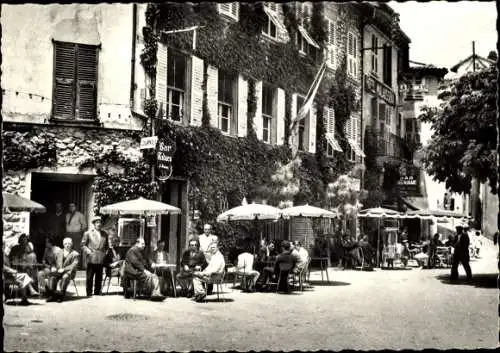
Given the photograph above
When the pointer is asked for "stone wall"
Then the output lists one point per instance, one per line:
(74, 146)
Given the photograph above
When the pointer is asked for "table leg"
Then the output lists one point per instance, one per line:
(326, 271)
(321, 269)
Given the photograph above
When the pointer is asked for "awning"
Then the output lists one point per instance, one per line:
(307, 37)
(356, 148)
(330, 138)
(274, 18)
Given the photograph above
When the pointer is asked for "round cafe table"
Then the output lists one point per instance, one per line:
(159, 268)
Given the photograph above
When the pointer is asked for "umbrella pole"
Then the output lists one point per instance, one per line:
(378, 242)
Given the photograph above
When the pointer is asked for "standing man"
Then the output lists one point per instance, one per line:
(65, 271)
(57, 224)
(75, 224)
(206, 238)
(94, 247)
(461, 254)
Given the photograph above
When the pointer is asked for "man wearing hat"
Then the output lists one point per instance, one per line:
(94, 247)
(461, 253)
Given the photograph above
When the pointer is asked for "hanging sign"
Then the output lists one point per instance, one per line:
(164, 159)
(148, 142)
(409, 180)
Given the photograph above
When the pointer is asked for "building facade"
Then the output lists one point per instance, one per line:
(72, 86)
(84, 81)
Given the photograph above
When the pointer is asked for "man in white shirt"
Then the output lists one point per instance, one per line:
(214, 269)
(75, 225)
(206, 238)
(303, 257)
(245, 268)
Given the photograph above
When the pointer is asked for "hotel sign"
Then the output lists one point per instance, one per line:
(378, 88)
(409, 180)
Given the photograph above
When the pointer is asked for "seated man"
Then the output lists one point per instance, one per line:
(301, 260)
(284, 260)
(65, 271)
(112, 259)
(135, 269)
(192, 260)
(245, 268)
(21, 279)
(49, 263)
(158, 258)
(215, 268)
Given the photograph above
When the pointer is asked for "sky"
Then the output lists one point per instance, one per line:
(442, 32)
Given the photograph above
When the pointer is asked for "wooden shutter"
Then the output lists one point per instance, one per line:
(234, 9)
(87, 82)
(64, 80)
(225, 7)
(374, 111)
(196, 90)
(280, 117)
(311, 140)
(161, 77)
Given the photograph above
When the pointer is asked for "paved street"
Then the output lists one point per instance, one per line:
(396, 309)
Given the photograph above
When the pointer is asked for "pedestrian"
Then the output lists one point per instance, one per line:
(461, 254)
(94, 247)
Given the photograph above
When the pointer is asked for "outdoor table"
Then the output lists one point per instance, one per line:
(171, 268)
(323, 264)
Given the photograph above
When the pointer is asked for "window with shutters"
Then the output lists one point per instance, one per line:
(352, 55)
(75, 81)
(302, 125)
(350, 135)
(374, 56)
(176, 85)
(304, 12)
(330, 45)
(270, 28)
(329, 123)
(387, 66)
(226, 101)
(230, 9)
(267, 112)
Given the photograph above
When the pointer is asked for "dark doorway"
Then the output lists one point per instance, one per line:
(50, 188)
(173, 227)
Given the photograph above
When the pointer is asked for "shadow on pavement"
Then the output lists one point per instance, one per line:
(482, 280)
(328, 284)
(221, 300)
(14, 302)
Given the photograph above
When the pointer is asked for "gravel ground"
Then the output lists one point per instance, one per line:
(396, 309)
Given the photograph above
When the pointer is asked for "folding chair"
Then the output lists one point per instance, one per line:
(284, 272)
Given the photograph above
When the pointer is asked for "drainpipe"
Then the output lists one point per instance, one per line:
(132, 60)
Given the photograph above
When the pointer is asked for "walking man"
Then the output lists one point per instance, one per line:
(461, 254)
(94, 248)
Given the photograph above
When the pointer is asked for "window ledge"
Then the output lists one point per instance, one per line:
(75, 122)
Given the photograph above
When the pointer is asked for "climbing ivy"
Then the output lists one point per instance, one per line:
(23, 150)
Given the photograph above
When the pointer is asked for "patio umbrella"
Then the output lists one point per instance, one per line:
(250, 212)
(307, 211)
(439, 214)
(16, 203)
(140, 207)
(378, 213)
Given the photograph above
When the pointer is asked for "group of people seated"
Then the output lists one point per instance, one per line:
(265, 266)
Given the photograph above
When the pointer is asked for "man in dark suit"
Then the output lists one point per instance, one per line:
(284, 262)
(66, 266)
(461, 254)
(49, 262)
(94, 247)
(192, 260)
(135, 269)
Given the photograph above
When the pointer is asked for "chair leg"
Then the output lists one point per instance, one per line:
(76, 289)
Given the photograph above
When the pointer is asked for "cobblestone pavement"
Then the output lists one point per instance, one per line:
(395, 309)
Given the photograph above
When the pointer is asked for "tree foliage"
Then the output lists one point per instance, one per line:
(463, 144)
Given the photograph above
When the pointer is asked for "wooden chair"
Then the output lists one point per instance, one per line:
(284, 272)
(218, 280)
(13, 288)
(109, 273)
(301, 277)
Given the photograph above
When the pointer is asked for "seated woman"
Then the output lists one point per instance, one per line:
(22, 280)
(192, 260)
(158, 258)
(23, 257)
